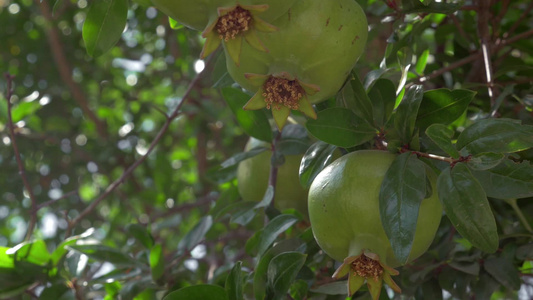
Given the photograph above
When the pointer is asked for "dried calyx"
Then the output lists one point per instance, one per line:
(281, 93)
(233, 23)
(367, 267)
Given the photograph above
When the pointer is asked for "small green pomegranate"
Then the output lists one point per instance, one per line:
(344, 215)
(309, 58)
(226, 21)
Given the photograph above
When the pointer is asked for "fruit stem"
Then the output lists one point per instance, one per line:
(273, 176)
(521, 216)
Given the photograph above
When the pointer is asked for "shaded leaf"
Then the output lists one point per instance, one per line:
(485, 161)
(157, 262)
(496, 135)
(400, 196)
(141, 234)
(105, 253)
(442, 136)
(332, 288)
(467, 207)
(383, 97)
(282, 271)
(361, 104)
(443, 106)
(274, 228)
(503, 271)
(507, 180)
(415, 6)
(196, 235)
(104, 25)
(253, 122)
(234, 283)
(340, 127)
(405, 115)
(201, 291)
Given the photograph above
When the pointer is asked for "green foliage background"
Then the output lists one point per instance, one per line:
(178, 221)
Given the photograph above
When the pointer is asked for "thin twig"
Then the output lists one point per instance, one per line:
(50, 202)
(273, 176)
(519, 21)
(184, 207)
(22, 172)
(484, 36)
(132, 168)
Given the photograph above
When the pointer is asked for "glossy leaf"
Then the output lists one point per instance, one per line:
(361, 104)
(201, 291)
(157, 262)
(467, 207)
(443, 106)
(400, 196)
(234, 287)
(442, 137)
(196, 235)
(294, 140)
(103, 25)
(485, 161)
(421, 62)
(61, 248)
(282, 271)
(507, 180)
(317, 157)
(105, 253)
(504, 271)
(383, 97)
(496, 135)
(260, 274)
(405, 115)
(340, 127)
(274, 228)
(253, 122)
(34, 252)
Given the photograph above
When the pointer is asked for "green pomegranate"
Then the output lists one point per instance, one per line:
(253, 173)
(309, 58)
(345, 218)
(226, 21)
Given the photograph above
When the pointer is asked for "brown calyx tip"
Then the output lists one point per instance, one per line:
(234, 22)
(282, 92)
(367, 267)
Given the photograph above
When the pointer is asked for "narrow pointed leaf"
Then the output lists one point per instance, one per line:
(234, 287)
(467, 207)
(383, 97)
(104, 25)
(402, 192)
(317, 157)
(405, 115)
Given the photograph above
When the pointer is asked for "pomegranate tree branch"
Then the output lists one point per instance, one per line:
(22, 172)
(273, 176)
(65, 71)
(519, 21)
(89, 209)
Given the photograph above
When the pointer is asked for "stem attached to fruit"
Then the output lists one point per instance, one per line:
(273, 176)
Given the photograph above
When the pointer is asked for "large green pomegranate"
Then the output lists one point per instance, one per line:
(316, 47)
(253, 173)
(345, 218)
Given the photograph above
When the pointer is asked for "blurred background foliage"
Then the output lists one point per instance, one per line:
(80, 122)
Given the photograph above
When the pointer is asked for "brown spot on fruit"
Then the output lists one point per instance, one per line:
(355, 39)
(327, 22)
(340, 27)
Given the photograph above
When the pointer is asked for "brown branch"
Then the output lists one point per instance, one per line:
(134, 166)
(65, 71)
(50, 202)
(519, 21)
(484, 36)
(22, 172)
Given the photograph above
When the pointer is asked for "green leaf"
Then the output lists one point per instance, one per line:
(196, 235)
(157, 262)
(507, 180)
(260, 274)
(415, 6)
(141, 234)
(317, 157)
(294, 140)
(61, 248)
(360, 104)
(467, 207)
(34, 252)
(220, 76)
(253, 122)
(443, 106)
(274, 228)
(485, 161)
(104, 25)
(442, 136)
(234, 283)
(174, 24)
(383, 97)
(340, 127)
(332, 288)
(237, 158)
(400, 196)
(201, 291)
(432, 290)
(468, 267)
(405, 58)
(421, 62)
(496, 135)
(282, 271)
(405, 115)
(504, 271)
(105, 253)
(24, 109)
